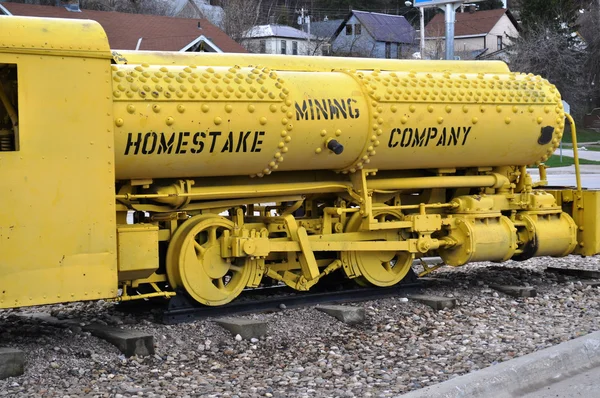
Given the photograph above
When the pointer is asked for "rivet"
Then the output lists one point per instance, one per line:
(218, 120)
(287, 139)
(284, 121)
(482, 109)
(515, 109)
(412, 108)
(448, 108)
(546, 109)
(205, 108)
(284, 150)
(170, 121)
(507, 120)
(394, 108)
(119, 122)
(499, 109)
(440, 120)
(540, 120)
(284, 133)
(262, 120)
(228, 108)
(180, 108)
(281, 144)
(430, 109)
(403, 120)
(129, 94)
(338, 132)
(130, 108)
(318, 150)
(251, 108)
(273, 108)
(156, 108)
(323, 133)
(474, 120)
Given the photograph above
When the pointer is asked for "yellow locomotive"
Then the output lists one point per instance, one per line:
(245, 167)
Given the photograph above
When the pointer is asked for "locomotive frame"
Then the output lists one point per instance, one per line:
(393, 165)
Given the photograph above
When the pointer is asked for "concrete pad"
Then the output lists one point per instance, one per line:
(521, 375)
(349, 315)
(129, 342)
(435, 302)
(247, 328)
(12, 362)
(516, 291)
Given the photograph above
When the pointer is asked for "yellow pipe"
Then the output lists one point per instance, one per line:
(172, 195)
(575, 153)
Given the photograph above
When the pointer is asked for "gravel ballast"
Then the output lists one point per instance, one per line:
(403, 345)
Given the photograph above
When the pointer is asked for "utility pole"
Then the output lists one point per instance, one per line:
(307, 21)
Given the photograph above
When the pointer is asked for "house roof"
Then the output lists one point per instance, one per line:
(383, 27)
(124, 30)
(325, 29)
(274, 30)
(467, 23)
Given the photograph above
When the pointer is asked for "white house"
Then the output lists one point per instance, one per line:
(477, 34)
(280, 39)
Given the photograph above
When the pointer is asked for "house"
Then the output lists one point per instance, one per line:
(477, 34)
(279, 39)
(139, 32)
(324, 32)
(370, 34)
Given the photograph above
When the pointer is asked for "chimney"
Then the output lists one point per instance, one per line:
(70, 5)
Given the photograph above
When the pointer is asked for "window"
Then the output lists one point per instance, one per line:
(388, 50)
(499, 43)
(348, 30)
(263, 46)
(9, 118)
(357, 29)
(295, 47)
(399, 50)
(283, 47)
(326, 50)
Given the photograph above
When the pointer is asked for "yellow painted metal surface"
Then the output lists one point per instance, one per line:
(137, 251)
(57, 217)
(188, 121)
(365, 165)
(53, 36)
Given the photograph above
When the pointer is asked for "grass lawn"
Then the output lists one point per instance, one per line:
(583, 135)
(554, 161)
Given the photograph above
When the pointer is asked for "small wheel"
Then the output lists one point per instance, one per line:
(376, 268)
(194, 261)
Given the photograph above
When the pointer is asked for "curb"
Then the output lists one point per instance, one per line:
(521, 375)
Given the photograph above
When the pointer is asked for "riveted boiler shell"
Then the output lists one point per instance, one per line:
(185, 121)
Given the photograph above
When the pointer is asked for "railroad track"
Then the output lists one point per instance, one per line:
(181, 310)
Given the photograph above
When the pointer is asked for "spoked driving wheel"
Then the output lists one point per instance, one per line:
(194, 262)
(384, 268)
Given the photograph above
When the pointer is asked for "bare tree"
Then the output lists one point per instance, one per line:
(157, 7)
(550, 53)
(239, 16)
(588, 29)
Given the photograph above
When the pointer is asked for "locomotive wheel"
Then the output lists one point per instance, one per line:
(194, 262)
(376, 268)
